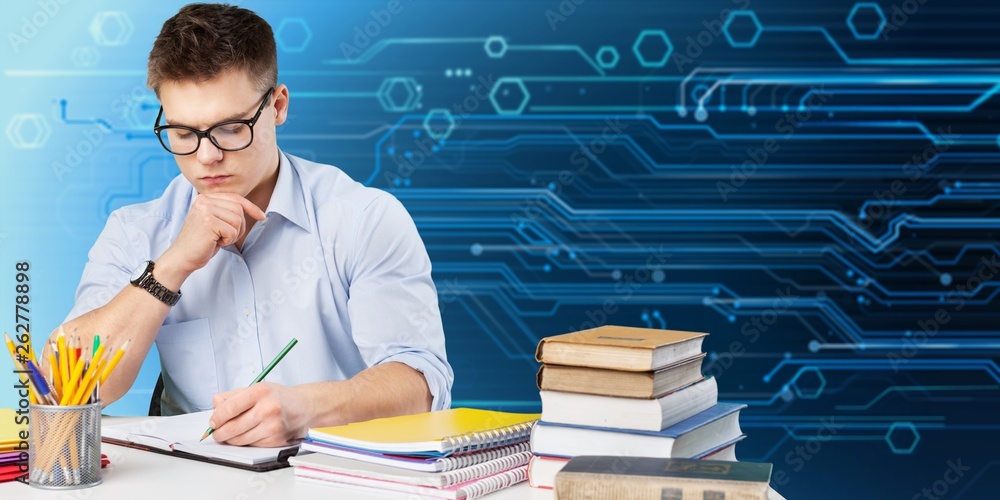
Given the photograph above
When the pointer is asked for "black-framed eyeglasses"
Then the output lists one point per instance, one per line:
(232, 135)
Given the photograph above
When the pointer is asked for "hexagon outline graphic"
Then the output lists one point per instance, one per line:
(97, 26)
(753, 39)
(854, 12)
(808, 395)
(495, 54)
(447, 116)
(15, 132)
(85, 56)
(283, 25)
(892, 446)
(384, 94)
(509, 80)
(642, 59)
(607, 49)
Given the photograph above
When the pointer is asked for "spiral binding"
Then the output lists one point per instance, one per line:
(486, 468)
(476, 441)
(498, 482)
(462, 461)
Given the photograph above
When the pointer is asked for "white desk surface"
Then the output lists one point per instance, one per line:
(137, 474)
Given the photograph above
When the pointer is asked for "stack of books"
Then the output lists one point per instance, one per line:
(627, 392)
(456, 454)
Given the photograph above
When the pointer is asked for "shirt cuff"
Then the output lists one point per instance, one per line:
(438, 383)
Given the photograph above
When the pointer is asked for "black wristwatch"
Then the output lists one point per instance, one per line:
(142, 277)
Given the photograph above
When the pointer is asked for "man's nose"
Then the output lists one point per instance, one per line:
(207, 151)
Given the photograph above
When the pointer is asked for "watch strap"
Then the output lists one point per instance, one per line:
(148, 283)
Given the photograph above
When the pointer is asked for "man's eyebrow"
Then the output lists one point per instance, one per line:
(235, 116)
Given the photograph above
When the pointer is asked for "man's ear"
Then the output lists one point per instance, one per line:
(280, 104)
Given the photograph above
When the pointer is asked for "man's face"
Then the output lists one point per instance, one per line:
(229, 96)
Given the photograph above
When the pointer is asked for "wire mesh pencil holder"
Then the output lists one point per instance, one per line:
(64, 446)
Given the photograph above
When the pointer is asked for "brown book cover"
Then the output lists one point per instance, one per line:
(611, 477)
(620, 348)
(623, 384)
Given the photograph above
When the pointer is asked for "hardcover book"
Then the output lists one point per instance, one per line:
(542, 469)
(628, 413)
(620, 348)
(705, 431)
(613, 477)
(623, 384)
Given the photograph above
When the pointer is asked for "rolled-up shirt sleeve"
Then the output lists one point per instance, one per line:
(109, 267)
(393, 303)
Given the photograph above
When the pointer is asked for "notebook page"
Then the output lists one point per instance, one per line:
(182, 433)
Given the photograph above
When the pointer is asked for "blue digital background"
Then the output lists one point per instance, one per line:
(813, 183)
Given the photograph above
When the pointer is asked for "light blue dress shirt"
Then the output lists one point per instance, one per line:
(338, 265)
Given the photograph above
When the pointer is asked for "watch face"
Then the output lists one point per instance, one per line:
(139, 270)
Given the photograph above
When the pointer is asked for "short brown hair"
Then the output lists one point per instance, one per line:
(203, 40)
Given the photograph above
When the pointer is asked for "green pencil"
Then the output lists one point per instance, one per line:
(260, 377)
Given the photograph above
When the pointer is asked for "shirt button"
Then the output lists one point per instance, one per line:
(246, 311)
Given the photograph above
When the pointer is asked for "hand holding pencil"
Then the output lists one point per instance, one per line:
(257, 380)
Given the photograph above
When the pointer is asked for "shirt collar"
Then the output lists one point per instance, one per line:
(287, 199)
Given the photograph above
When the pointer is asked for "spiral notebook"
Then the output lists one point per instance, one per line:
(424, 464)
(437, 433)
(318, 463)
(462, 491)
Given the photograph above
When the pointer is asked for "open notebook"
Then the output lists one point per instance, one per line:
(179, 436)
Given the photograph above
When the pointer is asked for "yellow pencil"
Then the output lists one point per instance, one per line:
(114, 361)
(85, 382)
(74, 382)
(56, 377)
(82, 396)
(63, 359)
(10, 348)
(73, 358)
(18, 365)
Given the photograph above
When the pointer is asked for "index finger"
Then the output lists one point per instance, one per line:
(221, 397)
(237, 402)
(248, 206)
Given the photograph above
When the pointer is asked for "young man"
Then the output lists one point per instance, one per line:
(250, 247)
